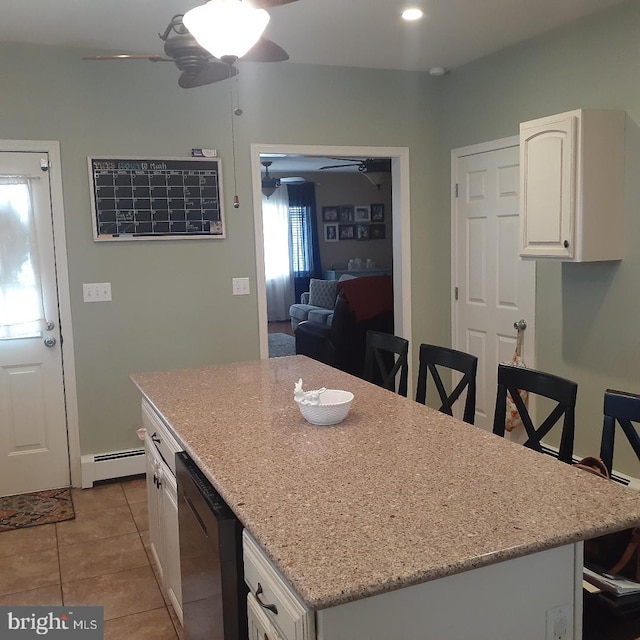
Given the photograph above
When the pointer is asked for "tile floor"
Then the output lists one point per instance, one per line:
(99, 558)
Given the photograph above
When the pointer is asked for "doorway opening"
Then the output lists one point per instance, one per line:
(315, 156)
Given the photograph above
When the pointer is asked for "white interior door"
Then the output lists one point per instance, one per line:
(33, 430)
(495, 288)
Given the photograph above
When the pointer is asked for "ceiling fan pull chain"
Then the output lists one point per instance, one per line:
(237, 111)
(236, 200)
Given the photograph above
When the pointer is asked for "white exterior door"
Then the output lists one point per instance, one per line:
(495, 288)
(33, 429)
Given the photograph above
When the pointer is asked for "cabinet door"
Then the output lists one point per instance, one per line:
(153, 462)
(259, 626)
(171, 559)
(548, 188)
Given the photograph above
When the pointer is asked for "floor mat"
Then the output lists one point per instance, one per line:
(281, 344)
(32, 509)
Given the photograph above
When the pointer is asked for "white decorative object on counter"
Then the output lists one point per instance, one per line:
(323, 407)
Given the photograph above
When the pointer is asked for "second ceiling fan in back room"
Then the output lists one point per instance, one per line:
(270, 184)
(205, 42)
(376, 170)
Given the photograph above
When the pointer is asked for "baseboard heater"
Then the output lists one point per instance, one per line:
(108, 466)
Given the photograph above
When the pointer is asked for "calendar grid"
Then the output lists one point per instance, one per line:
(156, 198)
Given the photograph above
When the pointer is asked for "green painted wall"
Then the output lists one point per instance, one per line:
(172, 304)
(587, 318)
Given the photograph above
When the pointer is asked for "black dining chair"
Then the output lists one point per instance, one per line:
(512, 379)
(386, 356)
(432, 357)
(624, 409)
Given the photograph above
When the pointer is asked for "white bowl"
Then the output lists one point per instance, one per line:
(333, 407)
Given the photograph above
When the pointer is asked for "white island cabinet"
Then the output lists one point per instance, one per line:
(162, 497)
(571, 186)
(401, 523)
(521, 598)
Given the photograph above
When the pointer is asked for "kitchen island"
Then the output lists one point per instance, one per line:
(400, 522)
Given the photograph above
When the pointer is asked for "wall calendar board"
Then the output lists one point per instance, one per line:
(156, 198)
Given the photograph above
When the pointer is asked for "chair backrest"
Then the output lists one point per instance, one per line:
(432, 357)
(512, 379)
(623, 408)
(386, 356)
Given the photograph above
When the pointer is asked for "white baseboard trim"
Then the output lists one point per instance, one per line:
(108, 466)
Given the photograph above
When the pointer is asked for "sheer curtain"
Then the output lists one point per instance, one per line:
(277, 255)
(21, 306)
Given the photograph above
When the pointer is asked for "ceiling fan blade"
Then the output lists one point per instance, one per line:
(130, 56)
(337, 166)
(265, 50)
(271, 4)
(292, 180)
(213, 71)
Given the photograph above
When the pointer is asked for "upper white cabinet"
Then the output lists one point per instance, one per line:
(571, 186)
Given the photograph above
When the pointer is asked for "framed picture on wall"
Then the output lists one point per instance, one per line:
(346, 213)
(346, 232)
(376, 232)
(331, 233)
(377, 212)
(362, 231)
(329, 214)
(362, 213)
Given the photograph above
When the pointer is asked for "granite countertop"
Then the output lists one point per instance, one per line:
(395, 495)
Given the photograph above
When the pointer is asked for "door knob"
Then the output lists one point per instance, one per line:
(520, 325)
(49, 341)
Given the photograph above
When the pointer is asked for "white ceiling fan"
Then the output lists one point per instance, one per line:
(205, 43)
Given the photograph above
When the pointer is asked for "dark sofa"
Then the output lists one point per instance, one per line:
(362, 304)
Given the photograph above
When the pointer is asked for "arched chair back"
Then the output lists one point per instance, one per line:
(432, 357)
(562, 391)
(622, 408)
(386, 361)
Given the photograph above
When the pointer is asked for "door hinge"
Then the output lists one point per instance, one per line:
(45, 164)
(456, 189)
(455, 292)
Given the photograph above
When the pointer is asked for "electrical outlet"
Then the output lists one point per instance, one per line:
(96, 292)
(560, 623)
(240, 286)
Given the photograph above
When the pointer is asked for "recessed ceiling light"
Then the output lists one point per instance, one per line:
(413, 13)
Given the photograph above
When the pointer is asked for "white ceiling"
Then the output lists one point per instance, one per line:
(358, 33)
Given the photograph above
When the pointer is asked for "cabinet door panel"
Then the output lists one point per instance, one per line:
(153, 461)
(548, 166)
(170, 537)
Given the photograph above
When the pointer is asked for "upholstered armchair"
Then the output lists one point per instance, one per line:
(362, 304)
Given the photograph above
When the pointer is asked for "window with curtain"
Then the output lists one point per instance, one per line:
(277, 256)
(305, 251)
(21, 307)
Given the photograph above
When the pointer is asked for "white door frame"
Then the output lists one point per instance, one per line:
(400, 221)
(52, 148)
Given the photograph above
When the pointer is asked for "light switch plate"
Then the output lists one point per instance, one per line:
(240, 286)
(96, 292)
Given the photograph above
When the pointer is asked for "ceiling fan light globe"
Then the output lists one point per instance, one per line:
(376, 178)
(226, 28)
(267, 192)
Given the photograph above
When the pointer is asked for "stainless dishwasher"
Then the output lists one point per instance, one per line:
(214, 593)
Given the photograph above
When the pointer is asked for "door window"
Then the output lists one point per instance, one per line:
(21, 306)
